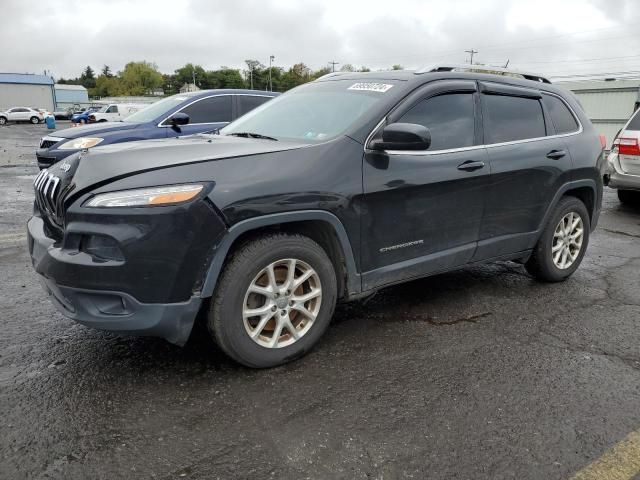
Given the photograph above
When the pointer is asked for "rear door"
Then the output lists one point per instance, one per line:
(246, 103)
(529, 163)
(423, 209)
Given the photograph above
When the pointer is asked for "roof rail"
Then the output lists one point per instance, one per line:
(483, 69)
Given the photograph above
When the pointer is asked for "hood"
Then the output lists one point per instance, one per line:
(95, 129)
(113, 162)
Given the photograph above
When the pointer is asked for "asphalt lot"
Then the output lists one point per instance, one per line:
(477, 374)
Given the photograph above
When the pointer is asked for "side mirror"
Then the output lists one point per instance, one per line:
(178, 119)
(403, 136)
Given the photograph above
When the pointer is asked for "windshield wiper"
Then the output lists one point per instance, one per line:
(252, 135)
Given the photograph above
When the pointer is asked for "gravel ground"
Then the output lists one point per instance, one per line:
(481, 374)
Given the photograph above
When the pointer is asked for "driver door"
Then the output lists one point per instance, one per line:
(423, 209)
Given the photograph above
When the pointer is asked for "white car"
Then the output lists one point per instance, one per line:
(21, 114)
(114, 112)
(623, 163)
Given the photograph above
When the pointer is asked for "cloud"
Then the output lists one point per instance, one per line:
(573, 36)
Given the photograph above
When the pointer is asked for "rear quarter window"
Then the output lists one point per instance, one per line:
(634, 124)
(562, 118)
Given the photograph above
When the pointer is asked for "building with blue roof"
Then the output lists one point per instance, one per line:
(26, 90)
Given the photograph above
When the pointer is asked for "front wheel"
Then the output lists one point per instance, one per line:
(34, 120)
(563, 242)
(3, 120)
(274, 300)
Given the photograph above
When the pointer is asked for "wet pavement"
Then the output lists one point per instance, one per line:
(480, 374)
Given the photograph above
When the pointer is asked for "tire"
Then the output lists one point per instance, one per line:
(101, 121)
(542, 264)
(34, 120)
(629, 197)
(229, 319)
(3, 120)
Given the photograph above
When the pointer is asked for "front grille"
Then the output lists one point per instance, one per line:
(47, 143)
(50, 191)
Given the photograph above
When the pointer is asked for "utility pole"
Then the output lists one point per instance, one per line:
(251, 76)
(333, 65)
(471, 53)
(193, 74)
(271, 59)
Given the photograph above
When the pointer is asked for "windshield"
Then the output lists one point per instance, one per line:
(157, 109)
(103, 109)
(315, 112)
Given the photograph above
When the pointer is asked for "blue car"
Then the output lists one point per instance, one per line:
(83, 117)
(178, 115)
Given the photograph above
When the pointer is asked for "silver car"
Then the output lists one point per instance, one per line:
(623, 165)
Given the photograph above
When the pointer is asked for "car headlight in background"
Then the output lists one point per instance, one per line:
(80, 143)
(144, 197)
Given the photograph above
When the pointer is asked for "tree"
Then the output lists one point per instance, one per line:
(106, 71)
(364, 69)
(255, 74)
(397, 67)
(347, 67)
(88, 79)
(186, 75)
(107, 87)
(140, 78)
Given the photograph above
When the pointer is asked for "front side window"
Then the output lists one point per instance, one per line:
(210, 110)
(507, 118)
(449, 118)
(561, 116)
(112, 109)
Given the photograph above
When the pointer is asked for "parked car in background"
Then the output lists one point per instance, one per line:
(21, 114)
(83, 117)
(45, 113)
(333, 190)
(114, 112)
(182, 114)
(623, 163)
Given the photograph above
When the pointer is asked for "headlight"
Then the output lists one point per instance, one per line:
(144, 197)
(79, 143)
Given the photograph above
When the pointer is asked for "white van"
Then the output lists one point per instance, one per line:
(115, 112)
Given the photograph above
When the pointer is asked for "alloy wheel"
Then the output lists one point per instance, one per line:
(567, 240)
(282, 303)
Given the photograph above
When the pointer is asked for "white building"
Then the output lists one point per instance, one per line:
(608, 103)
(26, 90)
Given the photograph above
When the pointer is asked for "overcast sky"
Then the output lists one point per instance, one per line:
(553, 37)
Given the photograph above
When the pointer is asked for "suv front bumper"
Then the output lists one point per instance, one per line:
(107, 310)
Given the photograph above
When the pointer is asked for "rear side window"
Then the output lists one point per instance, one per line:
(246, 103)
(561, 116)
(449, 118)
(507, 118)
(634, 124)
(210, 110)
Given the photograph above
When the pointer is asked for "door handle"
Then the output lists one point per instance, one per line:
(470, 166)
(556, 154)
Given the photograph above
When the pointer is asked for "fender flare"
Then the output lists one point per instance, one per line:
(587, 182)
(353, 282)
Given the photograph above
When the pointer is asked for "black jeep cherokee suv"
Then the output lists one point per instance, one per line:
(329, 192)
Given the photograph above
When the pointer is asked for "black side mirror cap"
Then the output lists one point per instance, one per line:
(178, 119)
(403, 136)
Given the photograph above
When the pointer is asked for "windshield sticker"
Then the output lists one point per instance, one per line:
(371, 87)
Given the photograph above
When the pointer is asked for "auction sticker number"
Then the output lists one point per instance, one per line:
(371, 87)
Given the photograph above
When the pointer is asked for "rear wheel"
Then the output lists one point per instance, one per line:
(563, 242)
(274, 300)
(34, 120)
(629, 197)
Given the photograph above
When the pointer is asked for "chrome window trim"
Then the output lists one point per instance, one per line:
(475, 147)
(204, 98)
